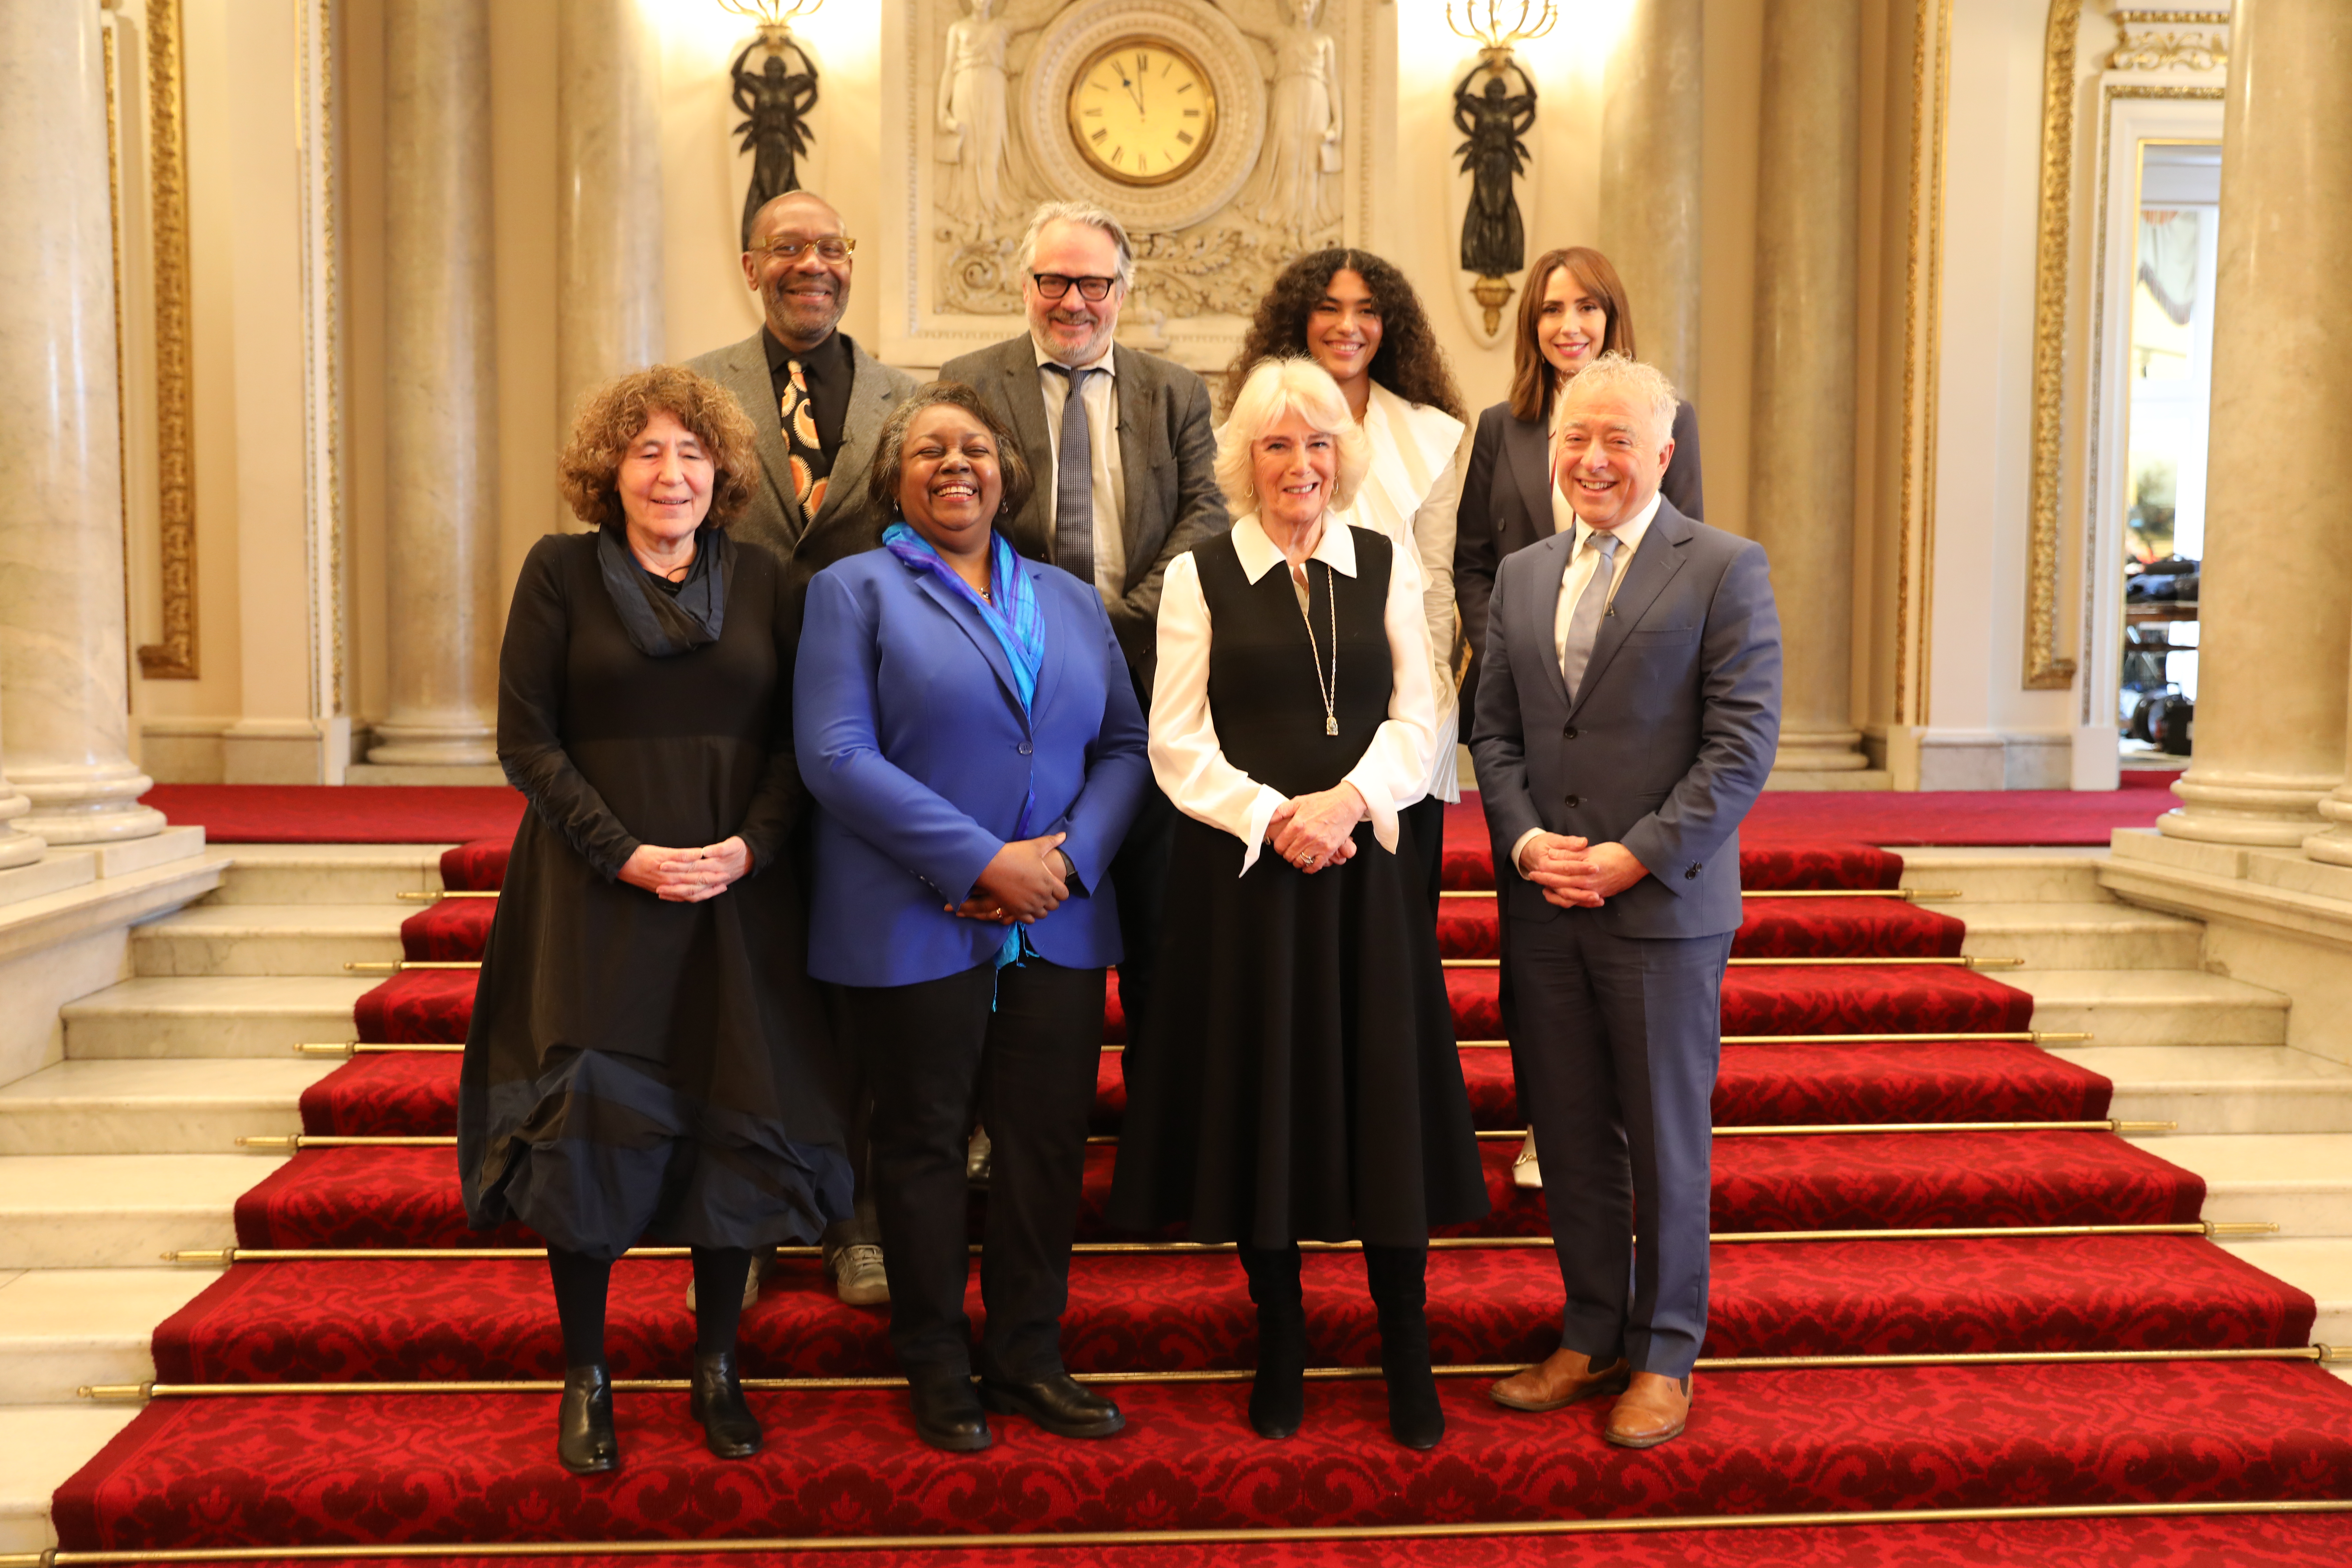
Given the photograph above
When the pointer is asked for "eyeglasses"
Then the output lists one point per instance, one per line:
(1053, 285)
(834, 249)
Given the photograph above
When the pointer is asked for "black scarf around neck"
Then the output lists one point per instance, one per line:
(661, 626)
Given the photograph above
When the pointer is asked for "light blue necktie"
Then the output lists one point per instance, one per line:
(1584, 625)
(1074, 482)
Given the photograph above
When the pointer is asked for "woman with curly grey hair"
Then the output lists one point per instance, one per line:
(647, 1056)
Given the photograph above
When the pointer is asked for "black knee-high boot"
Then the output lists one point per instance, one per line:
(729, 1428)
(584, 1442)
(1278, 1393)
(1398, 1277)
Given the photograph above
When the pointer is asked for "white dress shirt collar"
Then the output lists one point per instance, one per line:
(1628, 534)
(1335, 548)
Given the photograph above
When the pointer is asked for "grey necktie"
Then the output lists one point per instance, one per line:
(1074, 482)
(1584, 625)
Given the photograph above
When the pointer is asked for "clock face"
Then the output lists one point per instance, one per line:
(1142, 111)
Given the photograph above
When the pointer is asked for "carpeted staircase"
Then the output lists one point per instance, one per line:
(2046, 1243)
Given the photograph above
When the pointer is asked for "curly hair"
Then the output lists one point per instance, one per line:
(611, 415)
(890, 448)
(1409, 361)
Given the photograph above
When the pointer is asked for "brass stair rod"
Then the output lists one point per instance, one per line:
(1963, 962)
(2020, 1037)
(2207, 1228)
(395, 966)
(122, 1391)
(435, 897)
(1905, 895)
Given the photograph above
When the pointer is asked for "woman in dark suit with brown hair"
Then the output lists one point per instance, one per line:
(1573, 311)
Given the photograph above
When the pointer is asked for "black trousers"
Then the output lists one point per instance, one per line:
(936, 1055)
(1139, 874)
(862, 1227)
(1425, 819)
(1614, 1043)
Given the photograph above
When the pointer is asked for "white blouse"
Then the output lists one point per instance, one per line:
(1411, 495)
(1186, 757)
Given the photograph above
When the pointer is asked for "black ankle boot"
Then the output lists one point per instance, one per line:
(1278, 1394)
(728, 1425)
(584, 1422)
(1399, 1292)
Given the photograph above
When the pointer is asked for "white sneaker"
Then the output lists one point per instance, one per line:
(976, 1158)
(859, 1276)
(750, 1284)
(1524, 1172)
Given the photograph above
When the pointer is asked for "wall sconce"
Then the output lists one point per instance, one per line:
(775, 99)
(1492, 121)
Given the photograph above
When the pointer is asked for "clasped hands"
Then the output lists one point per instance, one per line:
(687, 876)
(1315, 831)
(1577, 874)
(1026, 880)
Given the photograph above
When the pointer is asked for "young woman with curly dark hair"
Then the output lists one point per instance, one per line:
(1355, 316)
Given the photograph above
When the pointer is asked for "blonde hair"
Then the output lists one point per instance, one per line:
(1275, 387)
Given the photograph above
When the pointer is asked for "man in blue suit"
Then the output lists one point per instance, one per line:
(1626, 717)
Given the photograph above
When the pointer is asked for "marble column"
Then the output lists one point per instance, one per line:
(64, 659)
(608, 307)
(441, 436)
(1801, 487)
(17, 847)
(2275, 594)
(1650, 181)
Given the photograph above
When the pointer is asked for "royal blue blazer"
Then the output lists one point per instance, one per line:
(911, 735)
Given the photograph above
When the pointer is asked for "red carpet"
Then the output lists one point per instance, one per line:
(476, 1467)
(350, 814)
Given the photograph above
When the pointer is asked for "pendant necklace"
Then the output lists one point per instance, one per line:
(1314, 655)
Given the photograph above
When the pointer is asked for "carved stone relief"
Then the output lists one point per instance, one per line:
(991, 134)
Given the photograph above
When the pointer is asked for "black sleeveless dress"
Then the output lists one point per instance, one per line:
(1299, 1079)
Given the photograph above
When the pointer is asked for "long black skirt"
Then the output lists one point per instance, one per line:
(1299, 1079)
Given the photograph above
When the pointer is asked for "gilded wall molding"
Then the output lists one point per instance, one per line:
(2168, 49)
(174, 657)
(1923, 311)
(112, 66)
(2046, 668)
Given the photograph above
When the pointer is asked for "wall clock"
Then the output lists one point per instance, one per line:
(1143, 111)
(1145, 64)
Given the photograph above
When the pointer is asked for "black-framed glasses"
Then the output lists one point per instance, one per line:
(835, 249)
(1053, 285)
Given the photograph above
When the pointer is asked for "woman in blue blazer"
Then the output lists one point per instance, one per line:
(965, 721)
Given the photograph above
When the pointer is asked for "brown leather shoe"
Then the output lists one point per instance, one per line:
(1559, 1380)
(1656, 1408)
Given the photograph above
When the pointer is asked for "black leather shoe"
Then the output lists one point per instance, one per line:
(728, 1427)
(948, 1414)
(1059, 1403)
(584, 1422)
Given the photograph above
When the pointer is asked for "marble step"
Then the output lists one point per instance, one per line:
(63, 1327)
(210, 1015)
(326, 873)
(120, 1211)
(2081, 936)
(2153, 1006)
(267, 939)
(2319, 1266)
(2009, 876)
(192, 1106)
(2223, 1088)
(41, 1445)
(2300, 1181)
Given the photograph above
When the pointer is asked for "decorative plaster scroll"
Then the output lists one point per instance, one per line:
(2046, 668)
(173, 658)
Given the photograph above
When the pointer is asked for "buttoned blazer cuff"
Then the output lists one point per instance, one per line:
(1648, 842)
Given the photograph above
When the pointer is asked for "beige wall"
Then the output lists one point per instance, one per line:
(249, 349)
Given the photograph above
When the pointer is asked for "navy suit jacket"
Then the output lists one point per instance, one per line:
(911, 735)
(1667, 743)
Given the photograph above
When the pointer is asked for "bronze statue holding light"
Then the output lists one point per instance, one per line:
(775, 99)
(1494, 122)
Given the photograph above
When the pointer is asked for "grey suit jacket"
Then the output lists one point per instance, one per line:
(1167, 458)
(1666, 746)
(844, 524)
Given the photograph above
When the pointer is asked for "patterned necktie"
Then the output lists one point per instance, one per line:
(811, 467)
(1073, 481)
(1584, 625)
